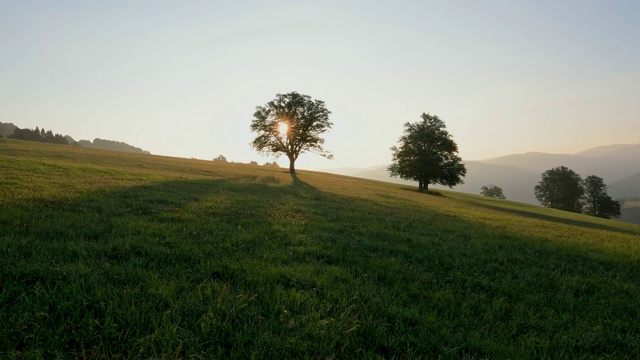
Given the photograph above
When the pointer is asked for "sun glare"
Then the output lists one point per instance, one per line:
(282, 128)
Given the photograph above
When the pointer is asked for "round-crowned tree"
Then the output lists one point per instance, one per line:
(560, 188)
(597, 201)
(291, 124)
(493, 191)
(427, 154)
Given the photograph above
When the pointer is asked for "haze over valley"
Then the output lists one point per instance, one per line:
(517, 174)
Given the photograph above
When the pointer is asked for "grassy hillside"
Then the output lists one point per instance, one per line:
(516, 183)
(113, 255)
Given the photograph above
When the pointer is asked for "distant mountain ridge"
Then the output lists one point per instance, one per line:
(612, 163)
(626, 188)
(618, 165)
(611, 150)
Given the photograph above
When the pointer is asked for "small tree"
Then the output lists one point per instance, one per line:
(220, 158)
(427, 154)
(560, 188)
(597, 201)
(273, 164)
(291, 124)
(492, 191)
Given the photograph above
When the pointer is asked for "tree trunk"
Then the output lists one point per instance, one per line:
(292, 169)
(423, 185)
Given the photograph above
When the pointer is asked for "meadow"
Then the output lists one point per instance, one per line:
(107, 255)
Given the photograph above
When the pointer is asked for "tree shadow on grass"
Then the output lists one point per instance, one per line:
(301, 185)
(428, 192)
(259, 267)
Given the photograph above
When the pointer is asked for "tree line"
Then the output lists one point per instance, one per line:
(292, 124)
(564, 189)
(40, 135)
(47, 136)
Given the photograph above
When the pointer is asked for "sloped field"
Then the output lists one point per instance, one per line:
(109, 255)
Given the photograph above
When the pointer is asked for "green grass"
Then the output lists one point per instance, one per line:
(114, 256)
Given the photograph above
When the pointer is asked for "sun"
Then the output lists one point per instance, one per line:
(282, 128)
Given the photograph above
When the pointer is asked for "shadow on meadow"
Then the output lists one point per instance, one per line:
(273, 267)
(561, 220)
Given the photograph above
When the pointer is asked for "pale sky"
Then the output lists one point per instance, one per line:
(183, 78)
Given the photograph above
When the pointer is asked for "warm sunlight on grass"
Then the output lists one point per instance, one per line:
(107, 255)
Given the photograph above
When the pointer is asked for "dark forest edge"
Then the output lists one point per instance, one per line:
(11, 131)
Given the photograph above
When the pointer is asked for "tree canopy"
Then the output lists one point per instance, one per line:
(560, 188)
(6, 129)
(564, 189)
(492, 191)
(597, 201)
(291, 124)
(427, 154)
(40, 135)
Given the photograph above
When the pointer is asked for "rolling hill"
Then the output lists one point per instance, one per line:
(626, 188)
(116, 255)
(611, 163)
(519, 186)
(517, 174)
(7, 129)
(109, 145)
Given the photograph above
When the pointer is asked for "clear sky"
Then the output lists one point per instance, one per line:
(183, 78)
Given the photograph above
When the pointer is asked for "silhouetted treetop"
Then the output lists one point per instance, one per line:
(427, 154)
(39, 135)
(492, 191)
(291, 124)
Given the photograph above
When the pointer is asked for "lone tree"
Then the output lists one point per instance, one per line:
(492, 191)
(597, 201)
(427, 154)
(560, 188)
(291, 124)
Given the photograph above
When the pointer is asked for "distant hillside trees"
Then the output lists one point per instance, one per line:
(273, 164)
(597, 201)
(562, 188)
(7, 129)
(427, 154)
(220, 158)
(40, 135)
(291, 124)
(71, 141)
(492, 191)
(111, 145)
